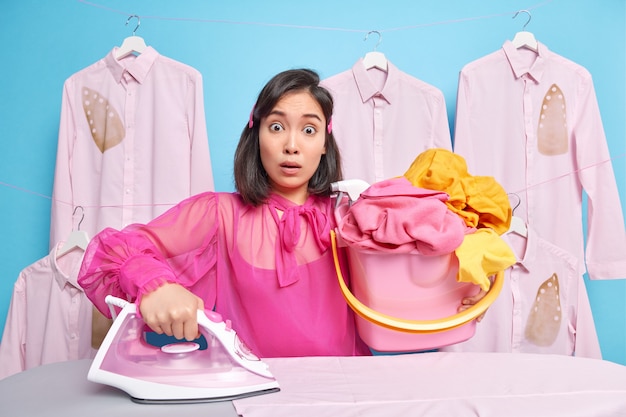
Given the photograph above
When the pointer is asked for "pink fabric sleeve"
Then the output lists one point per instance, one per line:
(586, 339)
(606, 241)
(178, 246)
(62, 201)
(200, 155)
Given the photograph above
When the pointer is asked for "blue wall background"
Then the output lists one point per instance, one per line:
(239, 45)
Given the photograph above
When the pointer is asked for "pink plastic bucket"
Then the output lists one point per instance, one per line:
(412, 287)
(409, 302)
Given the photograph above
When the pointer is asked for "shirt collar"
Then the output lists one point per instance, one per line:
(367, 89)
(138, 67)
(525, 254)
(519, 64)
(62, 276)
(534, 252)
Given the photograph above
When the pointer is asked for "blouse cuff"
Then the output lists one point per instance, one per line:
(142, 274)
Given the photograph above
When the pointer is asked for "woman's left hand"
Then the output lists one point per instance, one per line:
(467, 302)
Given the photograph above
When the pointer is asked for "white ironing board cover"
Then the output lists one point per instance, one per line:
(442, 384)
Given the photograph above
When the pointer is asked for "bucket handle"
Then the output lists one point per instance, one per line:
(416, 326)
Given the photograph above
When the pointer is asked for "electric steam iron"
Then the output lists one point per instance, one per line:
(179, 372)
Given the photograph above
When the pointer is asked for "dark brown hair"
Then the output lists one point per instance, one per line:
(250, 177)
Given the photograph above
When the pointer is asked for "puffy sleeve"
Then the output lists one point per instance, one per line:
(178, 246)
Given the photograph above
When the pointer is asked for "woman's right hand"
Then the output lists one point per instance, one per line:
(171, 309)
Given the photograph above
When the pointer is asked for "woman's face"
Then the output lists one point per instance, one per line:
(292, 139)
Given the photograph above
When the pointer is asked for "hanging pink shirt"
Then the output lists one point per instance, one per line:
(532, 122)
(49, 318)
(269, 269)
(132, 143)
(382, 121)
(543, 306)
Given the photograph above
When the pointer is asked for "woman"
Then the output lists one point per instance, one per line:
(261, 256)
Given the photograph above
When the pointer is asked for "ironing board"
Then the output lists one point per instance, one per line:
(443, 384)
(62, 390)
(433, 384)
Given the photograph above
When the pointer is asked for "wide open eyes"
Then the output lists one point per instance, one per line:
(308, 130)
(276, 127)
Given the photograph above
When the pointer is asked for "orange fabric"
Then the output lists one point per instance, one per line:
(479, 200)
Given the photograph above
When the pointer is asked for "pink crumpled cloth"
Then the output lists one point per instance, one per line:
(395, 216)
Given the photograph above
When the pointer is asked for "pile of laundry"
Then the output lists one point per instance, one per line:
(435, 208)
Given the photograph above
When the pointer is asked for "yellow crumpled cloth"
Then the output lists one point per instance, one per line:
(479, 200)
(481, 255)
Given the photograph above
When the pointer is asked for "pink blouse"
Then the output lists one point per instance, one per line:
(269, 269)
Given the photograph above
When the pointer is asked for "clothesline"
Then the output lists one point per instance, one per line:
(312, 27)
(48, 197)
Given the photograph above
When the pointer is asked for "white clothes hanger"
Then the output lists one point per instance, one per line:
(518, 225)
(78, 239)
(375, 59)
(525, 39)
(133, 44)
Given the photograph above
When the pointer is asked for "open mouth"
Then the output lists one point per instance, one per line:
(290, 167)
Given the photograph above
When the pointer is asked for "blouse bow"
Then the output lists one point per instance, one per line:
(289, 234)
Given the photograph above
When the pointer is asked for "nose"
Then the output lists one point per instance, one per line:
(291, 145)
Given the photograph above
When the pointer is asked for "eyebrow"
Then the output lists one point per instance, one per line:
(309, 115)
